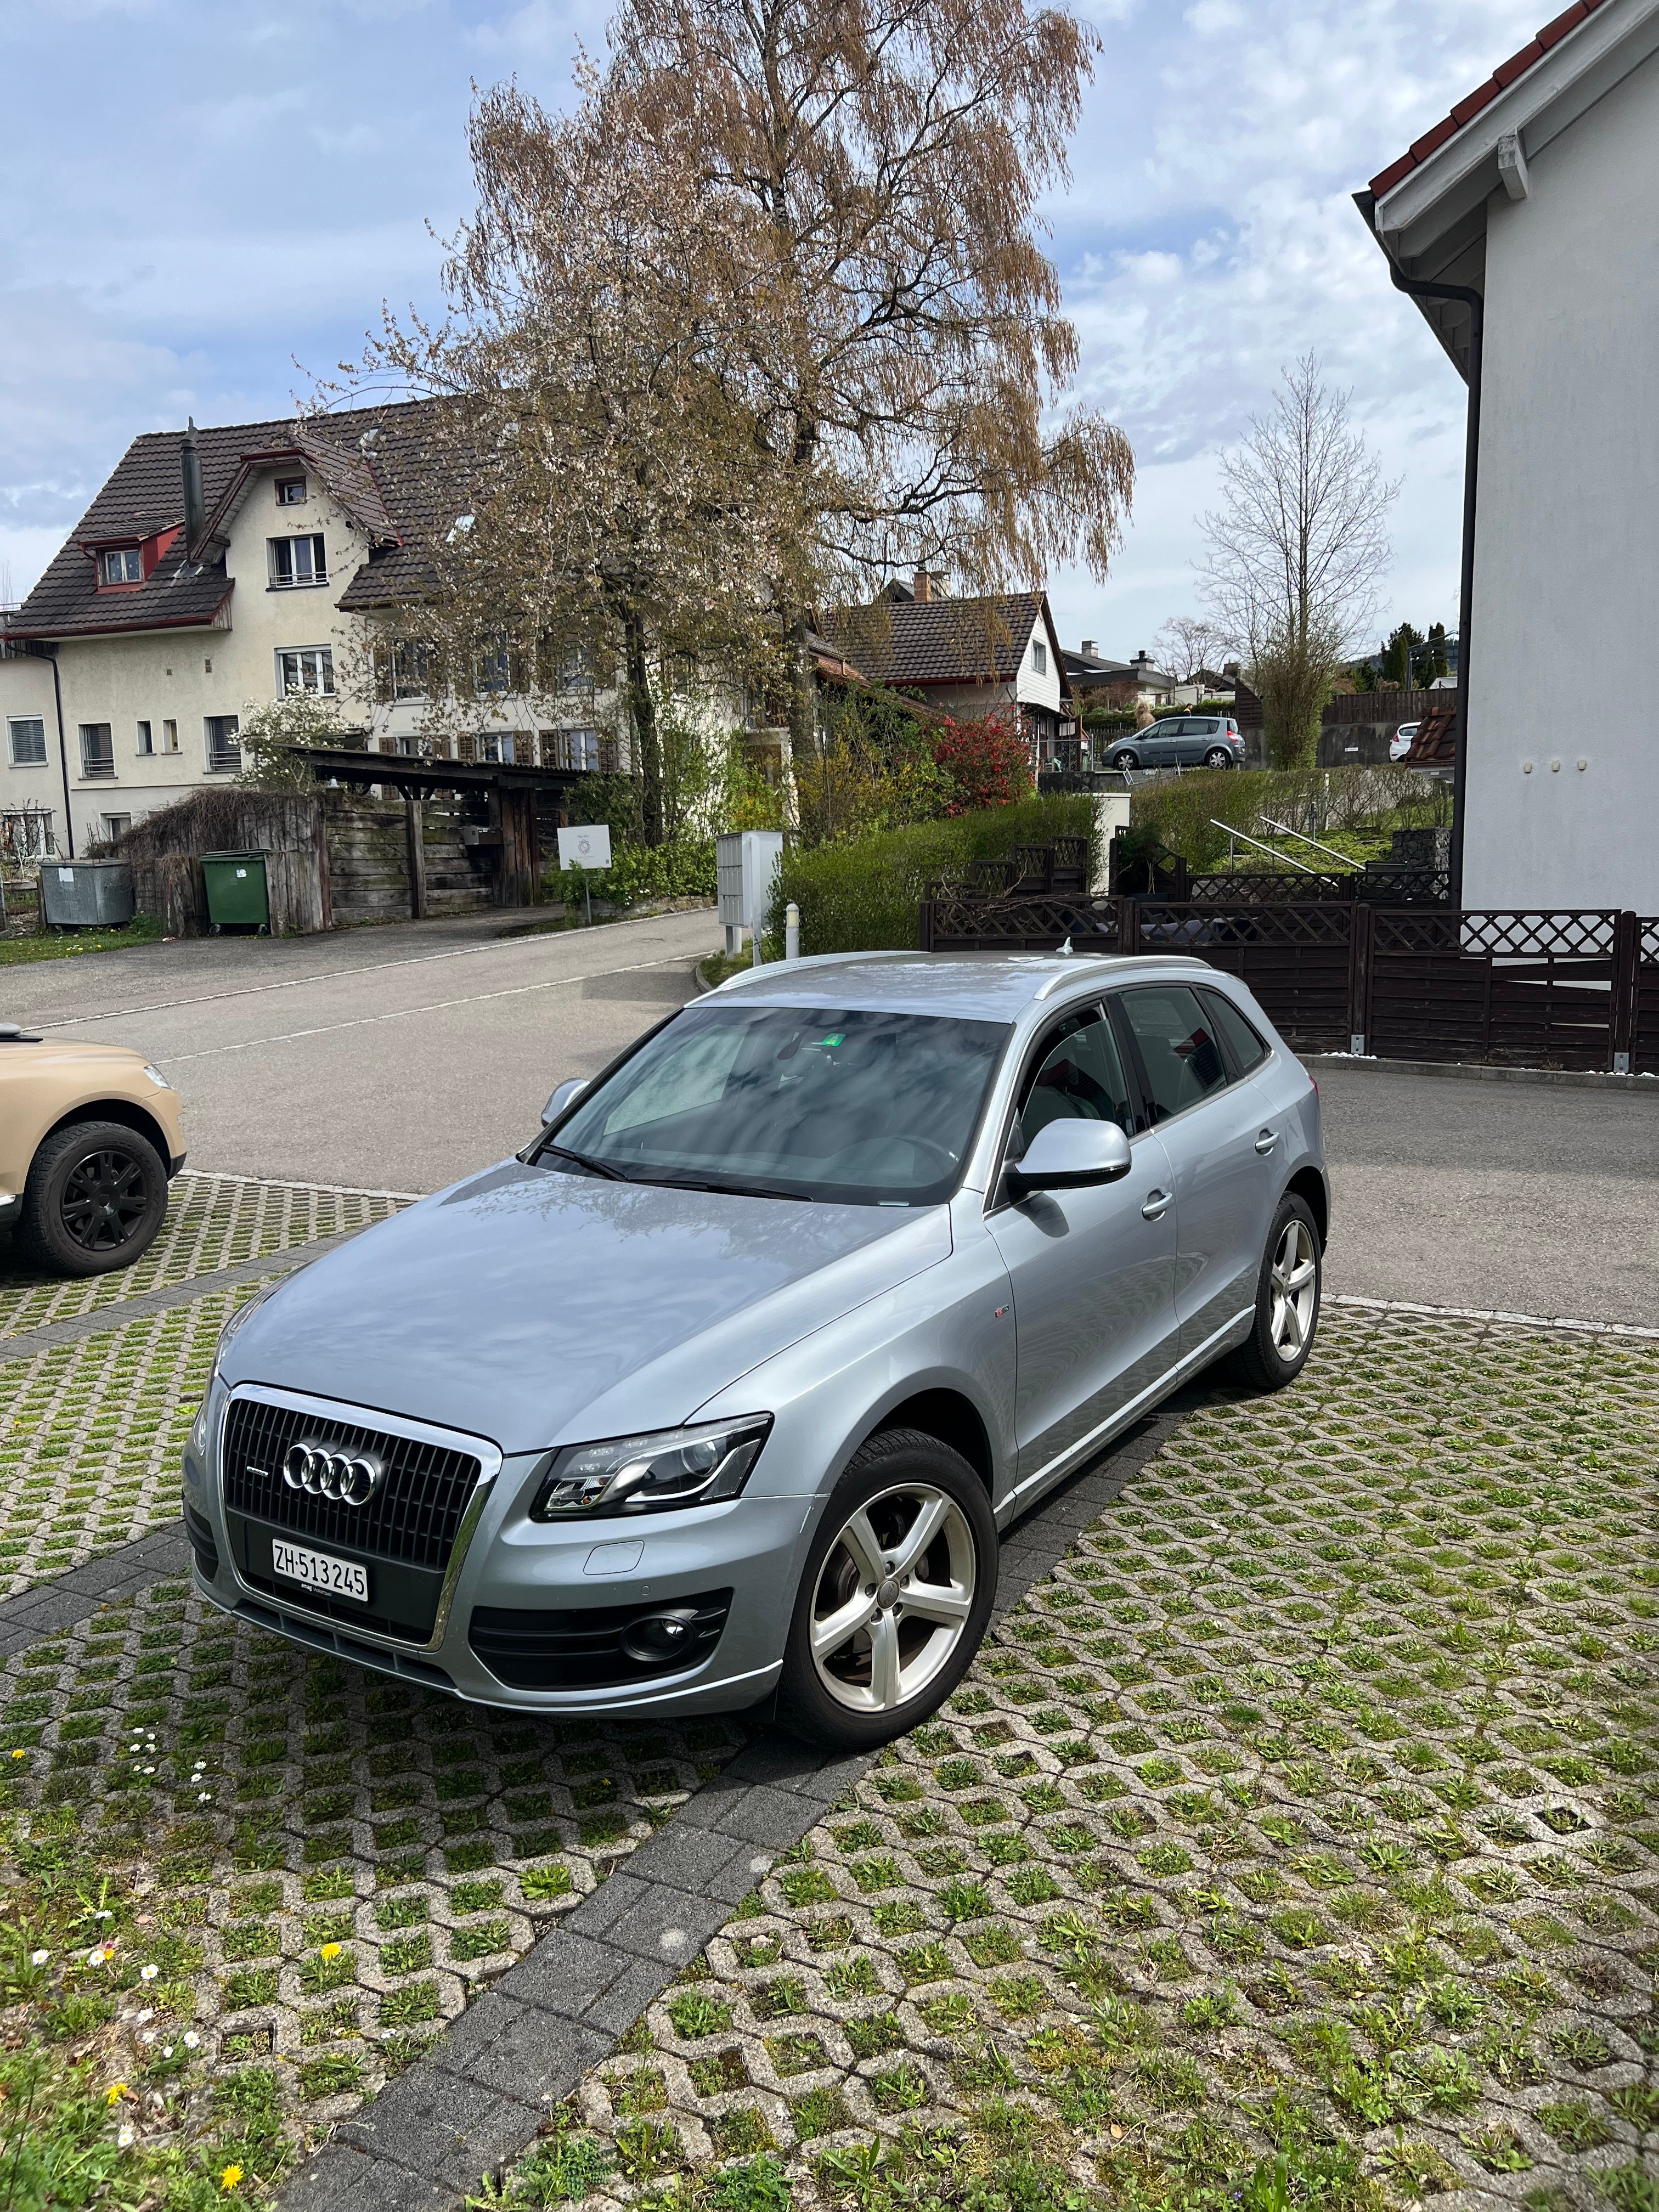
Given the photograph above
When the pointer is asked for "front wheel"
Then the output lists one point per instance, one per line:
(1126, 759)
(1286, 1299)
(96, 1194)
(897, 1592)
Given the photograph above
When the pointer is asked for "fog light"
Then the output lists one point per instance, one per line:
(658, 1637)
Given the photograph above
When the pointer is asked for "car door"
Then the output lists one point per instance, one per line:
(1209, 1124)
(1092, 1270)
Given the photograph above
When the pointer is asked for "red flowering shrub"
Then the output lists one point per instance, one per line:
(987, 762)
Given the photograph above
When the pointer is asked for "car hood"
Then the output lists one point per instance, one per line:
(32, 1053)
(534, 1308)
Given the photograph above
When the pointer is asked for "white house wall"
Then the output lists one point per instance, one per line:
(1567, 542)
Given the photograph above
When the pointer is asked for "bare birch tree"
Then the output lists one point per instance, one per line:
(1298, 548)
(908, 346)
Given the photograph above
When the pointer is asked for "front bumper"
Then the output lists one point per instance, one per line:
(507, 1566)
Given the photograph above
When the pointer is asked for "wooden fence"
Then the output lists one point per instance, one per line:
(1571, 990)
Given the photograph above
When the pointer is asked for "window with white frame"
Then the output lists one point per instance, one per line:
(1039, 659)
(146, 740)
(28, 741)
(575, 749)
(220, 733)
(306, 668)
(495, 669)
(115, 825)
(296, 562)
(97, 749)
(498, 745)
(409, 666)
(170, 737)
(290, 491)
(125, 567)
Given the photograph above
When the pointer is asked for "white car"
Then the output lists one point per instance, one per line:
(1400, 743)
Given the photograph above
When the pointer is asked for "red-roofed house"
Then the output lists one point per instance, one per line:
(1537, 198)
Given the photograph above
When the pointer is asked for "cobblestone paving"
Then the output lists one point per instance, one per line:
(91, 1435)
(1308, 1813)
(213, 1221)
(309, 1867)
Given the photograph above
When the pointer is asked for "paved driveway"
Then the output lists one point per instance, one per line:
(1514, 1198)
(395, 1059)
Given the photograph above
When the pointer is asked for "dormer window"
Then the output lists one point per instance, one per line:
(290, 491)
(125, 565)
(295, 562)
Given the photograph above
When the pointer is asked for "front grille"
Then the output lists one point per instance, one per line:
(581, 1649)
(413, 1517)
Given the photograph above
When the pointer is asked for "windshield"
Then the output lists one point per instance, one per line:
(864, 1108)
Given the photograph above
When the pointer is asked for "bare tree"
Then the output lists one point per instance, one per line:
(1187, 644)
(888, 158)
(1298, 548)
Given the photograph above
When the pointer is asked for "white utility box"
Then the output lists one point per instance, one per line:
(746, 863)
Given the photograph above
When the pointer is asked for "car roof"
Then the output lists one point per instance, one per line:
(982, 987)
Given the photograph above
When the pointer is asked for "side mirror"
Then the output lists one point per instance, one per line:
(1070, 1156)
(565, 1095)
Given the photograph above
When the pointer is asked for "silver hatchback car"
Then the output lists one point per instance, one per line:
(716, 1396)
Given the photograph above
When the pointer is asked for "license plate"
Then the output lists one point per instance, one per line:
(339, 1577)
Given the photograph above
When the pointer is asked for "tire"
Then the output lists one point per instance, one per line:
(1282, 1333)
(1218, 756)
(897, 1473)
(1125, 759)
(96, 1194)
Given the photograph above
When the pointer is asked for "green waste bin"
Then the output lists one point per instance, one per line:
(237, 896)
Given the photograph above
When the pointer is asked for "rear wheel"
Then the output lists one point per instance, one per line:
(1286, 1300)
(1218, 756)
(896, 1595)
(96, 1194)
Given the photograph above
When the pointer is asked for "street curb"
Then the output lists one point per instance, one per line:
(1564, 1078)
(49, 1607)
(476, 2101)
(30, 1342)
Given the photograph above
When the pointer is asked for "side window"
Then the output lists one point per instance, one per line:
(1178, 1047)
(1240, 1038)
(1078, 1076)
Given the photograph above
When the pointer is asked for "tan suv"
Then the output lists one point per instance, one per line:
(89, 1139)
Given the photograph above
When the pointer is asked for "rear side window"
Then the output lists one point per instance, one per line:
(1178, 1046)
(1247, 1049)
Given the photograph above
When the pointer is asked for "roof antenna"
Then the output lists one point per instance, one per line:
(1065, 950)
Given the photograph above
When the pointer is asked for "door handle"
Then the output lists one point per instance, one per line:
(1267, 1140)
(1156, 1204)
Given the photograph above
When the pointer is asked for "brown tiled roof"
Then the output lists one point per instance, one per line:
(1435, 745)
(909, 642)
(387, 485)
(1500, 80)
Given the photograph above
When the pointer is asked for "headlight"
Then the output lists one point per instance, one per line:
(651, 1473)
(157, 1078)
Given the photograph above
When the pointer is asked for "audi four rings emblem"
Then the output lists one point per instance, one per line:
(348, 1478)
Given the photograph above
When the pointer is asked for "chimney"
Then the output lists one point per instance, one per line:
(195, 506)
(921, 585)
(1087, 648)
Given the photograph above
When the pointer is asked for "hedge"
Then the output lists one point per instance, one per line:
(866, 895)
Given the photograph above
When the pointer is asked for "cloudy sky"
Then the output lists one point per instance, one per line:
(205, 204)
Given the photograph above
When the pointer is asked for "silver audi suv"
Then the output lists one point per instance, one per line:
(716, 1396)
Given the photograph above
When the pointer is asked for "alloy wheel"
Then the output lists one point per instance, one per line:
(893, 1597)
(105, 1195)
(1293, 1284)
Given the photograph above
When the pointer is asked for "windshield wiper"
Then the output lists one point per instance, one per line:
(585, 1160)
(727, 1189)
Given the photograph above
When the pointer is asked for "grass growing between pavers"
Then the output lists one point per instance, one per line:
(1295, 1844)
(212, 1221)
(91, 1435)
(244, 1884)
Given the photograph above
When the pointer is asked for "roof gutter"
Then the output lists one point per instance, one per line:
(1463, 295)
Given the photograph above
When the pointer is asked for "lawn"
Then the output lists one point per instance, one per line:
(69, 945)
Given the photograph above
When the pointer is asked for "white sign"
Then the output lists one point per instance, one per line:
(586, 847)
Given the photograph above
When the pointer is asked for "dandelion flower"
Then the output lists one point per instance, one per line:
(20, 1755)
(148, 1973)
(332, 1950)
(115, 2092)
(230, 2176)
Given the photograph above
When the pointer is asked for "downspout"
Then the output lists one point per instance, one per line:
(62, 754)
(1472, 299)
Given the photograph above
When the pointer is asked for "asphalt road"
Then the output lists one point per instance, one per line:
(1513, 1198)
(400, 1059)
(394, 1059)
